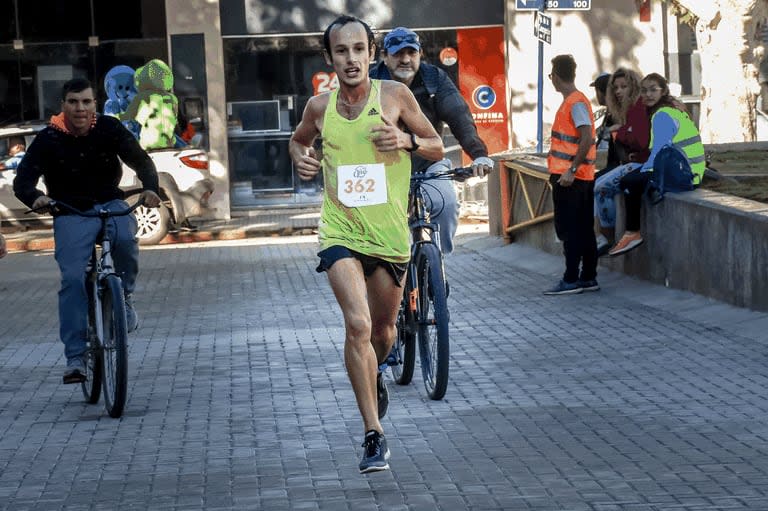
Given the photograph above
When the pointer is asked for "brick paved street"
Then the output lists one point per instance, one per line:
(636, 398)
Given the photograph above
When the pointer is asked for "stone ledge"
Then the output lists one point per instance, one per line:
(703, 241)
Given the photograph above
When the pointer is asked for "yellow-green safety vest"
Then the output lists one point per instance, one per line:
(687, 139)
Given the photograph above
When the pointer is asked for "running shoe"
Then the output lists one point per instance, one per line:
(375, 453)
(382, 395)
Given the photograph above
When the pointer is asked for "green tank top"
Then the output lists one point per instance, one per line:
(366, 191)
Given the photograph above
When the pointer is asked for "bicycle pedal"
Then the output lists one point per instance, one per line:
(73, 378)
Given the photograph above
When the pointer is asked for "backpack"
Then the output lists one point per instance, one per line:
(671, 173)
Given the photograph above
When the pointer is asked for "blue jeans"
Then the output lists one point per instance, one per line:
(74, 237)
(606, 187)
(443, 204)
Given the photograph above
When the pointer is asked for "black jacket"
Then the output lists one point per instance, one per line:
(83, 171)
(441, 103)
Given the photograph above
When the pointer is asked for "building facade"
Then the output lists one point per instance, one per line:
(248, 67)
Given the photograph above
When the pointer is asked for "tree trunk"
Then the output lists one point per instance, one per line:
(729, 38)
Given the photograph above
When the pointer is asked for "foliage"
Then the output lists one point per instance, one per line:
(683, 14)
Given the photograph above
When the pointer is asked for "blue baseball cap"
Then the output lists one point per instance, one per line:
(601, 81)
(400, 38)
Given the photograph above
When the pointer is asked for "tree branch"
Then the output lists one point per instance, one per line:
(706, 11)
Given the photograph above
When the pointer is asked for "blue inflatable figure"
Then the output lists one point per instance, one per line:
(120, 86)
(120, 89)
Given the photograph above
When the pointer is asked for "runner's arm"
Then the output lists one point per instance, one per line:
(300, 145)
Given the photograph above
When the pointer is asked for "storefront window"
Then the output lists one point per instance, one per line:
(264, 68)
(54, 20)
(270, 68)
(56, 48)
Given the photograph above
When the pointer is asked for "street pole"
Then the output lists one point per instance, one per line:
(540, 100)
(539, 108)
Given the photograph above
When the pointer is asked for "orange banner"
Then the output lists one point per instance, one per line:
(483, 83)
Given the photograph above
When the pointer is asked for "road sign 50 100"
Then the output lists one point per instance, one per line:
(575, 4)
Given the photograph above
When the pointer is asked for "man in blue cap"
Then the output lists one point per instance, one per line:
(442, 104)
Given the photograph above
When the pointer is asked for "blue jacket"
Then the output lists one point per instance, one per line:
(442, 104)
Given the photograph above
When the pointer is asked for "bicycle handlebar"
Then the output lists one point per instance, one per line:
(456, 174)
(55, 204)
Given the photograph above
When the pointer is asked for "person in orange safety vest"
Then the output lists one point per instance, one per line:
(571, 163)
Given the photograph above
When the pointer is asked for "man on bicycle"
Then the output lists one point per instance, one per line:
(442, 103)
(363, 229)
(78, 156)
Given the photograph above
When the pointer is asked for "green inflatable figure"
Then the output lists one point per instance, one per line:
(155, 108)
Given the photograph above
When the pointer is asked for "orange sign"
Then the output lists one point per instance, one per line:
(483, 83)
(448, 56)
(324, 82)
(645, 10)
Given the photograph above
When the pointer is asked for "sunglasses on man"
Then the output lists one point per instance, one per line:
(398, 40)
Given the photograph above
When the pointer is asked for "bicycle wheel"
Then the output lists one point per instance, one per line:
(432, 321)
(114, 345)
(405, 347)
(93, 362)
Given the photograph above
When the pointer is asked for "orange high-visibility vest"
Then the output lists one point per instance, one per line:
(565, 140)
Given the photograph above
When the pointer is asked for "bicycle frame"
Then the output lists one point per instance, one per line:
(100, 266)
(419, 316)
(423, 230)
(106, 355)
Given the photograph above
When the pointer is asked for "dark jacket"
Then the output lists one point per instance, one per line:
(441, 103)
(83, 171)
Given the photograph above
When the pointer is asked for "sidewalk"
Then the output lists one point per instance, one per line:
(242, 225)
(633, 398)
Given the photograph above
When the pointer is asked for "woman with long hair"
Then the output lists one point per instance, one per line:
(670, 126)
(631, 133)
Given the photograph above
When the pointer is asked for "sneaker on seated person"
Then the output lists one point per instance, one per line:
(603, 245)
(629, 241)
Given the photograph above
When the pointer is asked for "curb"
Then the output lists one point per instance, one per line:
(33, 242)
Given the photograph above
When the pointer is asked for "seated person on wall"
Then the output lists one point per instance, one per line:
(631, 132)
(604, 137)
(16, 151)
(670, 126)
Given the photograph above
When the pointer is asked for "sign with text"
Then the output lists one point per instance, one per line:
(323, 81)
(553, 5)
(483, 84)
(542, 28)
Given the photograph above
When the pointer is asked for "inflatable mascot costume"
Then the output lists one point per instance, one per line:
(155, 108)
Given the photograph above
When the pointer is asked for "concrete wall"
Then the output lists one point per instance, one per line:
(705, 242)
(202, 17)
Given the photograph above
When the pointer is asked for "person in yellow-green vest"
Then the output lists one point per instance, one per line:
(670, 126)
(363, 228)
